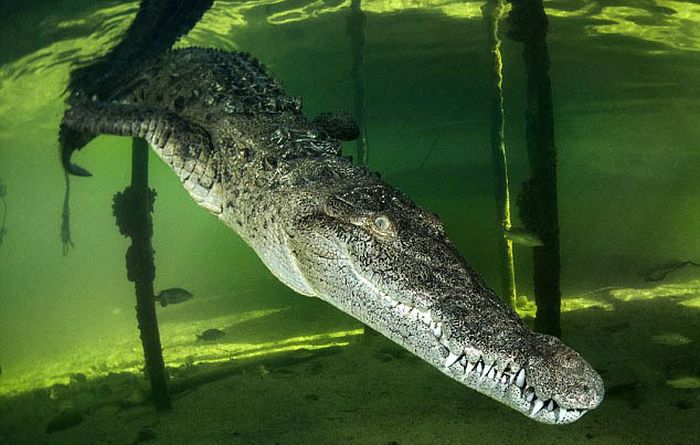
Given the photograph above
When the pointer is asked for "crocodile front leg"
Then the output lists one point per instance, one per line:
(176, 140)
(185, 146)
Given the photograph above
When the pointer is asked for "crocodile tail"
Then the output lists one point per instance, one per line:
(157, 26)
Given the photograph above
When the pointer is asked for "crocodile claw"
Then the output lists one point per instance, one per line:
(71, 168)
(72, 140)
(76, 170)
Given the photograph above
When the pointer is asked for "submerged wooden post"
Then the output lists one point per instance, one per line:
(357, 28)
(132, 209)
(492, 11)
(538, 202)
(155, 28)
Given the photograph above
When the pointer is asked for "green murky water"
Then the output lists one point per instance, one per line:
(626, 91)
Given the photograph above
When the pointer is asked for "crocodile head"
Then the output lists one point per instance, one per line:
(375, 255)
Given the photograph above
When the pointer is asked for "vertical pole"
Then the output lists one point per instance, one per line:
(538, 203)
(141, 270)
(357, 27)
(3, 229)
(492, 11)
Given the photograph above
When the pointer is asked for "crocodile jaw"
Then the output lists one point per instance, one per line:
(427, 334)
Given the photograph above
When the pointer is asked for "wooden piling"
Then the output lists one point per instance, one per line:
(539, 202)
(133, 210)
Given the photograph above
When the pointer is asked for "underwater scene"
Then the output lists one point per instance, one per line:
(350, 222)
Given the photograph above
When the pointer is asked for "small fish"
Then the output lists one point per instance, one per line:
(522, 237)
(174, 295)
(211, 335)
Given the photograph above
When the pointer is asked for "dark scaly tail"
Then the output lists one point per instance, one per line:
(157, 26)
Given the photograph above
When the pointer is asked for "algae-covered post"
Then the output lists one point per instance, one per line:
(133, 208)
(157, 26)
(538, 202)
(357, 27)
(492, 11)
(142, 270)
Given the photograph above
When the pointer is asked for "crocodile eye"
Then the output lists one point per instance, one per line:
(382, 223)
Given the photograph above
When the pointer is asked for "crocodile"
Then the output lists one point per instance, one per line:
(329, 229)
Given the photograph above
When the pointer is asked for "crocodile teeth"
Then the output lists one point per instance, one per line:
(520, 379)
(437, 330)
(492, 373)
(536, 407)
(504, 379)
(469, 367)
(451, 359)
(550, 405)
(479, 367)
(530, 395)
(498, 375)
(561, 413)
(485, 369)
(425, 317)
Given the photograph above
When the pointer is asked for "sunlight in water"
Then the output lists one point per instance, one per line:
(677, 28)
(527, 308)
(688, 382)
(684, 294)
(693, 302)
(179, 347)
(50, 66)
(686, 289)
(201, 352)
(672, 339)
(671, 23)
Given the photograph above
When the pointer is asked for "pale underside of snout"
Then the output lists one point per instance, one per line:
(508, 385)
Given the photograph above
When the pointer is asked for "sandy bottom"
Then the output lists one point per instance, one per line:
(355, 389)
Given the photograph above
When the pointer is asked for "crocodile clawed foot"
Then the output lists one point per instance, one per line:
(72, 140)
(76, 170)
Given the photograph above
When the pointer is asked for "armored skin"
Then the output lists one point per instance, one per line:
(327, 229)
